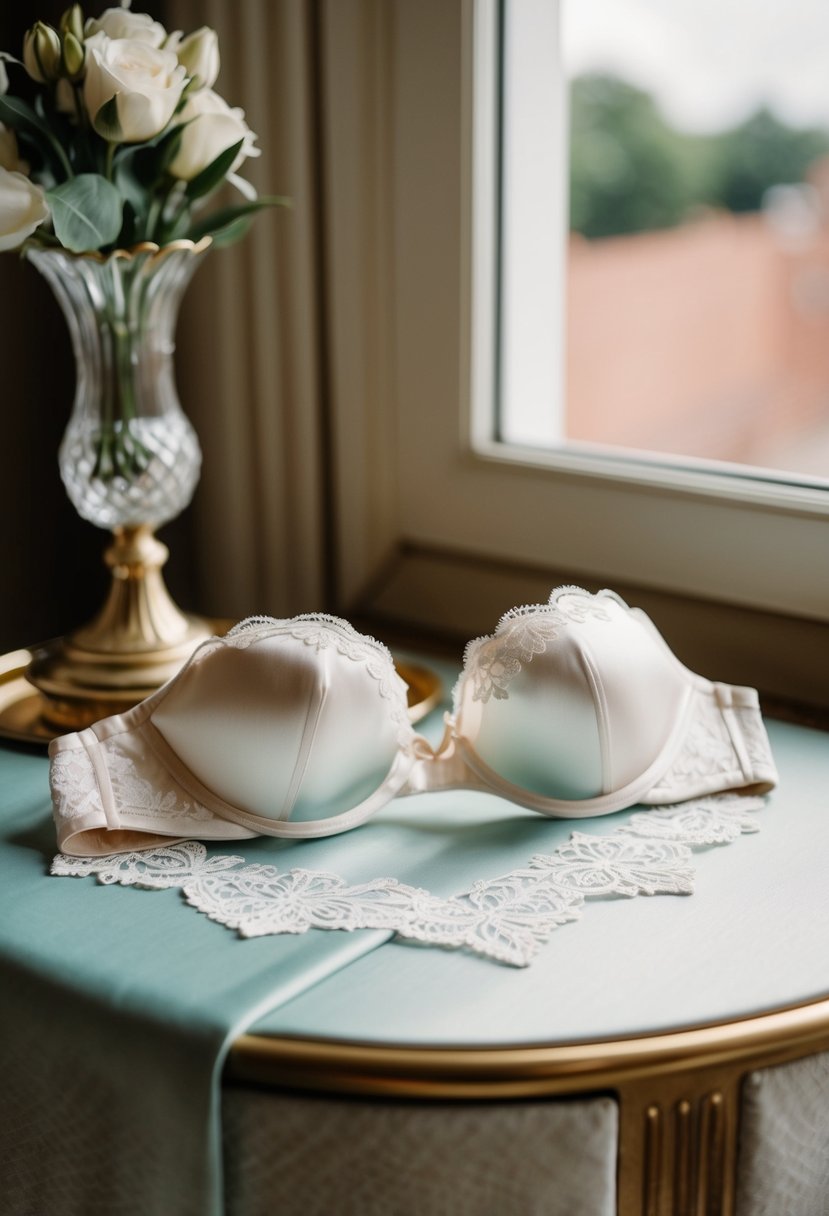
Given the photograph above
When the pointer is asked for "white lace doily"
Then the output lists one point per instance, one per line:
(507, 918)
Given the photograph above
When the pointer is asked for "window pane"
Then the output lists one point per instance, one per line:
(697, 284)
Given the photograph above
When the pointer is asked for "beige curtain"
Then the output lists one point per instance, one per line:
(249, 357)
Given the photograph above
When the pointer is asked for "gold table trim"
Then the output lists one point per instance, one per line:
(678, 1092)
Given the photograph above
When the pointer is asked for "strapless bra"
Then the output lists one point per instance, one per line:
(299, 728)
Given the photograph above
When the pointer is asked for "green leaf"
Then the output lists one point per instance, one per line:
(163, 134)
(231, 233)
(166, 150)
(149, 161)
(176, 230)
(32, 141)
(215, 225)
(130, 187)
(86, 212)
(214, 173)
(169, 150)
(19, 114)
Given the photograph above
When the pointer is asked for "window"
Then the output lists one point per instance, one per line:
(697, 273)
(438, 524)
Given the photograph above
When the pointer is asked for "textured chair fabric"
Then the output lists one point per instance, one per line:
(783, 1165)
(313, 1156)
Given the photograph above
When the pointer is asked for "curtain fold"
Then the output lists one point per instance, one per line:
(249, 356)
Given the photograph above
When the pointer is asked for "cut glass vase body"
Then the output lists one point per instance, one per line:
(129, 456)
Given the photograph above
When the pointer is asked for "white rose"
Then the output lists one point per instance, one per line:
(22, 208)
(121, 23)
(199, 53)
(214, 127)
(146, 82)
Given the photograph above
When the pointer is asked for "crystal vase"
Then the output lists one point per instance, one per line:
(130, 461)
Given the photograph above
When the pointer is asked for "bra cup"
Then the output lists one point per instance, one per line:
(586, 711)
(544, 737)
(644, 687)
(353, 748)
(258, 726)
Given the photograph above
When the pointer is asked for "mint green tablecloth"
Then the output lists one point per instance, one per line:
(117, 1005)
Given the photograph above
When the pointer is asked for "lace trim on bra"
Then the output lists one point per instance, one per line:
(74, 785)
(320, 630)
(506, 919)
(494, 660)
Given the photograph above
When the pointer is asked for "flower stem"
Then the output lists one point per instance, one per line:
(153, 216)
(120, 451)
(80, 111)
(171, 225)
(61, 155)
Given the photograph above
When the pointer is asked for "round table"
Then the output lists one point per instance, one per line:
(670, 1007)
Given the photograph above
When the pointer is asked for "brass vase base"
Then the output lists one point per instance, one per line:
(135, 644)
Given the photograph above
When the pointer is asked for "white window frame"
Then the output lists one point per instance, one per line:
(435, 522)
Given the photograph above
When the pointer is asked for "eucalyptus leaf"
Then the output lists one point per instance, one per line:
(217, 224)
(86, 212)
(214, 173)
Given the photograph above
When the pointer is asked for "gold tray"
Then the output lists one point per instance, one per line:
(20, 702)
(20, 716)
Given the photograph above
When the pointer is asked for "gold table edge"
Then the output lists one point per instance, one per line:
(508, 1072)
